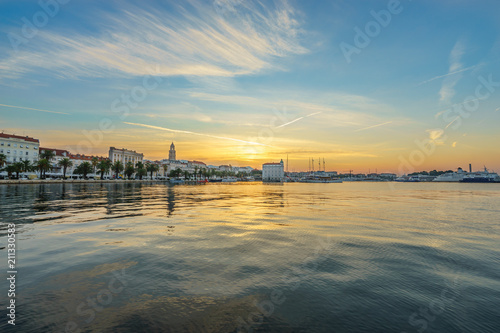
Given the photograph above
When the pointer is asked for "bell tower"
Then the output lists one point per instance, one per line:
(171, 153)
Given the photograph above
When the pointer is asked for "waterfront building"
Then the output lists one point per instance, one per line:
(243, 170)
(124, 155)
(19, 148)
(196, 164)
(171, 153)
(273, 172)
(59, 154)
(225, 168)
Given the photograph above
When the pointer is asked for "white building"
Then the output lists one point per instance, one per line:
(59, 154)
(124, 155)
(243, 170)
(19, 148)
(273, 172)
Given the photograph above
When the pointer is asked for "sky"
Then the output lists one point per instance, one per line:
(386, 86)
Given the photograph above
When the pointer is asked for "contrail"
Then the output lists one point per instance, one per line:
(441, 76)
(194, 133)
(362, 129)
(22, 107)
(452, 122)
(291, 122)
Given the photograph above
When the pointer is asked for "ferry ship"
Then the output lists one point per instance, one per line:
(481, 177)
(451, 176)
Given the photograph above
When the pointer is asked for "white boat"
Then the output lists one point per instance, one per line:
(319, 179)
(229, 180)
(451, 176)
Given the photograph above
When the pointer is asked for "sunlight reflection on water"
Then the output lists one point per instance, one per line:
(202, 258)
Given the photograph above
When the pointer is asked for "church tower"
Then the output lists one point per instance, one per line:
(171, 153)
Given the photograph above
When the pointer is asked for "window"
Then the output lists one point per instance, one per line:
(20, 158)
(15, 159)
(8, 144)
(2, 143)
(1, 151)
(21, 146)
(27, 146)
(8, 151)
(27, 153)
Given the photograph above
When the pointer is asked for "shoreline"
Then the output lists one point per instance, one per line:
(76, 181)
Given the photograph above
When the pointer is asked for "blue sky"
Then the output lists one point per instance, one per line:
(244, 82)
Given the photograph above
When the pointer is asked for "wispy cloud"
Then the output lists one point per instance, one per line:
(195, 133)
(341, 110)
(374, 126)
(193, 40)
(445, 75)
(297, 119)
(454, 73)
(32, 109)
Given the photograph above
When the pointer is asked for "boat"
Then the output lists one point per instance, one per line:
(229, 180)
(481, 177)
(406, 179)
(176, 181)
(451, 176)
(215, 180)
(319, 179)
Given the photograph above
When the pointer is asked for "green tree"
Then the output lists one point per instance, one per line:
(152, 168)
(117, 168)
(27, 166)
(43, 165)
(104, 166)
(129, 170)
(48, 155)
(94, 163)
(141, 170)
(186, 174)
(18, 168)
(3, 160)
(175, 173)
(65, 163)
(141, 173)
(11, 168)
(83, 169)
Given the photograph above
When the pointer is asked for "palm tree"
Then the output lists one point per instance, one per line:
(94, 162)
(129, 170)
(27, 166)
(65, 163)
(117, 168)
(83, 169)
(11, 168)
(141, 173)
(3, 160)
(195, 172)
(48, 155)
(152, 168)
(43, 165)
(104, 166)
(186, 174)
(18, 168)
